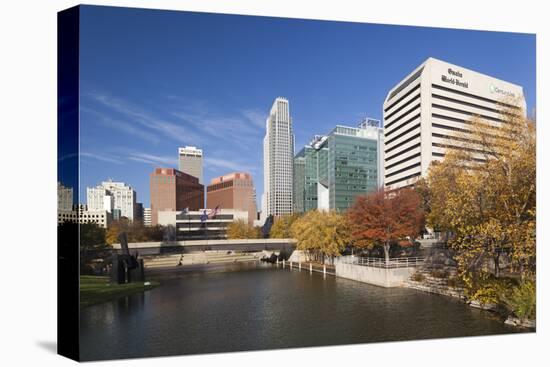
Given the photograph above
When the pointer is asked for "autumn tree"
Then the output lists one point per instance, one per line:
(240, 229)
(485, 192)
(382, 218)
(135, 230)
(281, 226)
(323, 232)
(422, 188)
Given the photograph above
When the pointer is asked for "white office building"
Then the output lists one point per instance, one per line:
(81, 214)
(64, 198)
(99, 198)
(190, 161)
(111, 196)
(147, 217)
(278, 161)
(193, 225)
(423, 112)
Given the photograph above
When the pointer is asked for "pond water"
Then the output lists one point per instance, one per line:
(259, 306)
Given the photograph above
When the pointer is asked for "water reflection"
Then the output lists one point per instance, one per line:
(257, 306)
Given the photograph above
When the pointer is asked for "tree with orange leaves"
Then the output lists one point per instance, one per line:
(382, 218)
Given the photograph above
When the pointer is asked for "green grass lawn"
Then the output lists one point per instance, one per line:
(97, 289)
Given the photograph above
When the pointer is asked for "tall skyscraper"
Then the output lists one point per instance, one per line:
(278, 161)
(111, 196)
(172, 190)
(190, 161)
(339, 166)
(233, 191)
(423, 112)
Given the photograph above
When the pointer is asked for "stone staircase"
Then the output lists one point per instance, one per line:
(424, 280)
(172, 261)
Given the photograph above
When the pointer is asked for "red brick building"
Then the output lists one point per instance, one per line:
(233, 191)
(174, 190)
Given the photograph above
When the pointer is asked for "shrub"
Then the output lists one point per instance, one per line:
(522, 300)
(417, 277)
(439, 273)
(486, 289)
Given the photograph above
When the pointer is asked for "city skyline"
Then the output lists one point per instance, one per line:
(145, 98)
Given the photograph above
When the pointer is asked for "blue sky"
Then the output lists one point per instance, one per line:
(151, 81)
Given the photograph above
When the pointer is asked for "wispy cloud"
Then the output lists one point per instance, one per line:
(227, 164)
(156, 160)
(123, 126)
(229, 140)
(256, 117)
(67, 156)
(148, 119)
(245, 127)
(101, 157)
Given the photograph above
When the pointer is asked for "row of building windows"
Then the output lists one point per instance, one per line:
(412, 128)
(403, 179)
(402, 143)
(402, 86)
(414, 146)
(466, 94)
(413, 156)
(471, 114)
(403, 170)
(405, 123)
(442, 155)
(404, 105)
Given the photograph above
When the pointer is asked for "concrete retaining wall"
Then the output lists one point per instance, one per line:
(382, 277)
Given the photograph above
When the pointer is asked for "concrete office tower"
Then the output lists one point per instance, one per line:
(110, 196)
(339, 166)
(147, 217)
(425, 110)
(190, 161)
(64, 198)
(278, 161)
(172, 190)
(233, 191)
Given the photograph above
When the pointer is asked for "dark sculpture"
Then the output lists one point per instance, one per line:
(126, 268)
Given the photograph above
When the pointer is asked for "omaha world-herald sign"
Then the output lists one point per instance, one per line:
(454, 77)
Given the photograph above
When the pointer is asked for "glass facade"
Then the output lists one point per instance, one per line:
(345, 163)
(311, 178)
(353, 171)
(299, 182)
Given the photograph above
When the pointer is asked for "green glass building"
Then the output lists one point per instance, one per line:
(333, 169)
(299, 183)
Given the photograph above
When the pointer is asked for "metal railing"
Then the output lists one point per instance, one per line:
(392, 263)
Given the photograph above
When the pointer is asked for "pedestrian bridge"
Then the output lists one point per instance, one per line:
(242, 245)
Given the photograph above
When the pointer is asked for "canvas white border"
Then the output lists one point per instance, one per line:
(28, 152)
